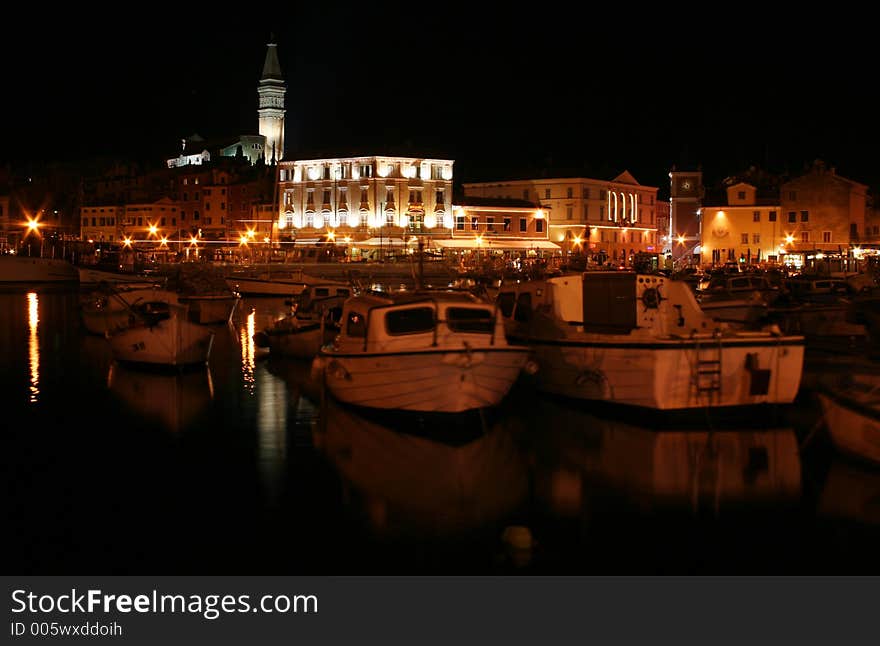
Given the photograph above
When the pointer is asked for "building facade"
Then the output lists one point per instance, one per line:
(362, 197)
(614, 219)
(823, 211)
(815, 214)
(744, 229)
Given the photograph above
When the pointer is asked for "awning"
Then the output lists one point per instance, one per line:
(494, 243)
(379, 242)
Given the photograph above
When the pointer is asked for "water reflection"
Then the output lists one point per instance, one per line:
(174, 401)
(34, 345)
(402, 482)
(851, 492)
(271, 415)
(696, 470)
(246, 338)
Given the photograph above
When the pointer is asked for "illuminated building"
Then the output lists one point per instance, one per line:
(615, 218)
(364, 196)
(271, 92)
(792, 221)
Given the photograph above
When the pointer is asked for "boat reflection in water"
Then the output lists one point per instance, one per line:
(408, 484)
(664, 469)
(174, 401)
(851, 492)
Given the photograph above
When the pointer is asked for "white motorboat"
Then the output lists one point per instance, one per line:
(161, 335)
(426, 351)
(33, 269)
(642, 340)
(737, 298)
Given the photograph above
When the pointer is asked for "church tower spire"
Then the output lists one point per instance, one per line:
(271, 111)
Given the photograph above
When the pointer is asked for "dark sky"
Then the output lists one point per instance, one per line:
(558, 85)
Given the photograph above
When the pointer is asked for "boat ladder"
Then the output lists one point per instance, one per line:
(707, 370)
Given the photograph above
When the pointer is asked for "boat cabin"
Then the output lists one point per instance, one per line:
(391, 322)
(613, 302)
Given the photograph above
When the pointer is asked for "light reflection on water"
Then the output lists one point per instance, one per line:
(34, 345)
(257, 433)
(246, 340)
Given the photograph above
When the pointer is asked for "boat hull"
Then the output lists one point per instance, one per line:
(854, 428)
(428, 381)
(258, 287)
(300, 343)
(27, 269)
(663, 375)
(173, 342)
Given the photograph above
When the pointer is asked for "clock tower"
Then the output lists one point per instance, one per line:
(685, 200)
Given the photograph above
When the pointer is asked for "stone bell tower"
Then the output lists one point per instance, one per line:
(271, 111)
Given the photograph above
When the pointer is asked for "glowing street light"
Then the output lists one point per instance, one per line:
(789, 239)
(126, 242)
(243, 239)
(680, 239)
(153, 229)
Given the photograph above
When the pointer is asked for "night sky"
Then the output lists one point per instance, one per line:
(561, 86)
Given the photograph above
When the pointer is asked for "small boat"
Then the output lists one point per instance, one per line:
(737, 298)
(425, 351)
(300, 334)
(109, 307)
(32, 269)
(851, 407)
(161, 335)
(281, 282)
(641, 341)
(90, 277)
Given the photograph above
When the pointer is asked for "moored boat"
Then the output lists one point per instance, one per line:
(425, 351)
(301, 333)
(33, 269)
(161, 335)
(642, 341)
(851, 408)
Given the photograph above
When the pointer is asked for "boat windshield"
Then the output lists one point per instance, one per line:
(465, 319)
(412, 320)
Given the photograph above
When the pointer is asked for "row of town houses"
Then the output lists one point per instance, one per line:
(352, 200)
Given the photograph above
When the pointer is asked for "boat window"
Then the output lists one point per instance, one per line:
(356, 325)
(322, 291)
(464, 319)
(343, 292)
(410, 321)
(523, 307)
(739, 283)
(506, 301)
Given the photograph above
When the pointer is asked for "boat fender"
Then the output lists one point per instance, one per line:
(651, 298)
(530, 367)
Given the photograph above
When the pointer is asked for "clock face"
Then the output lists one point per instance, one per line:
(686, 185)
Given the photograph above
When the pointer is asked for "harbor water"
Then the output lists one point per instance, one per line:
(247, 467)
